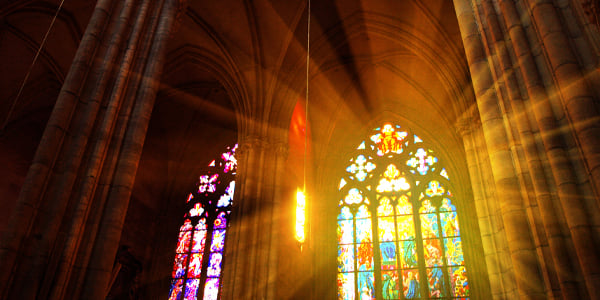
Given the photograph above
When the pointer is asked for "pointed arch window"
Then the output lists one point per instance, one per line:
(397, 228)
(199, 253)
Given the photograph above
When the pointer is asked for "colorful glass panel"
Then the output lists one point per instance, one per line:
(459, 283)
(435, 278)
(397, 220)
(390, 282)
(366, 285)
(411, 285)
(176, 289)
(206, 220)
(346, 258)
(211, 289)
(345, 284)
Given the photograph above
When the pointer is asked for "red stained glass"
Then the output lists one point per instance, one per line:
(195, 267)
(180, 265)
(191, 288)
(184, 242)
(176, 289)
(364, 255)
(187, 269)
(218, 241)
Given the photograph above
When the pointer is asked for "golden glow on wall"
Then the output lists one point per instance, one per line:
(300, 216)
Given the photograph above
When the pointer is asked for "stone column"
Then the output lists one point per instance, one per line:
(560, 264)
(468, 126)
(97, 127)
(519, 236)
(571, 197)
(576, 96)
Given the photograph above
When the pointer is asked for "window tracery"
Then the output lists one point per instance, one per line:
(197, 268)
(397, 229)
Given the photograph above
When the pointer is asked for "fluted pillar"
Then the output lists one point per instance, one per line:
(468, 127)
(519, 237)
(64, 233)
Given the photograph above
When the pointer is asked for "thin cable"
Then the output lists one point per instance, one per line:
(37, 54)
(306, 97)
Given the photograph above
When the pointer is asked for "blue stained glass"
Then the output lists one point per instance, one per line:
(191, 288)
(388, 256)
(447, 205)
(366, 285)
(459, 285)
(180, 264)
(454, 252)
(363, 212)
(406, 270)
(226, 198)
(435, 279)
(221, 220)
(184, 242)
(218, 241)
(345, 213)
(411, 284)
(214, 264)
(345, 258)
(187, 269)
(176, 289)
(364, 231)
(201, 224)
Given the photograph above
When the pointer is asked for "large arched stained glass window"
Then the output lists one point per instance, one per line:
(199, 253)
(397, 228)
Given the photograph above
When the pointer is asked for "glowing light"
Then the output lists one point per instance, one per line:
(300, 216)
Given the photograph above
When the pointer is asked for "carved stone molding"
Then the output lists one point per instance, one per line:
(467, 122)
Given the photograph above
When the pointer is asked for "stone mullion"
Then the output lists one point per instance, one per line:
(561, 266)
(568, 192)
(520, 244)
(466, 130)
(100, 264)
(99, 151)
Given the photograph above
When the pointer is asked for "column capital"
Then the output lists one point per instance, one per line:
(468, 121)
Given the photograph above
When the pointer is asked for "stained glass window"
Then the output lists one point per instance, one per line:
(397, 227)
(199, 253)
